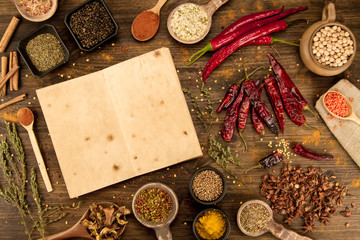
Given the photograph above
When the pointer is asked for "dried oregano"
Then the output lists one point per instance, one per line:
(13, 168)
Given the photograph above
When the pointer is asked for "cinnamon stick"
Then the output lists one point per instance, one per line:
(15, 78)
(10, 67)
(14, 100)
(4, 65)
(7, 76)
(8, 34)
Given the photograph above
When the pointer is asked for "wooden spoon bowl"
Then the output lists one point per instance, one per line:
(40, 18)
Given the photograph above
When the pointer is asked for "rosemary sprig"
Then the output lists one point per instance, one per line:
(222, 156)
(13, 169)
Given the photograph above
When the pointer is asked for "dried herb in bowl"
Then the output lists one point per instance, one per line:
(91, 24)
(45, 51)
(254, 218)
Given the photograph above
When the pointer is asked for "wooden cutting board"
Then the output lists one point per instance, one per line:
(346, 132)
(118, 123)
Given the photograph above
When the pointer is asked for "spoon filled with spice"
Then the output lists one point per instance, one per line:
(36, 10)
(255, 218)
(26, 119)
(339, 106)
(146, 24)
(104, 220)
(155, 206)
(189, 23)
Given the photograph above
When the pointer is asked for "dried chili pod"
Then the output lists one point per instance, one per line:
(229, 97)
(259, 105)
(257, 123)
(242, 117)
(289, 103)
(279, 70)
(268, 161)
(300, 150)
(275, 99)
(231, 116)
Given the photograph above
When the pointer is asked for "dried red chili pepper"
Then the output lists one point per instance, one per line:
(230, 96)
(300, 150)
(231, 116)
(279, 70)
(244, 109)
(275, 99)
(257, 123)
(268, 161)
(289, 103)
(225, 38)
(259, 105)
(241, 41)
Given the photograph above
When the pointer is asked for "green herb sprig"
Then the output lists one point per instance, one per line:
(222, 155)
(14, 171)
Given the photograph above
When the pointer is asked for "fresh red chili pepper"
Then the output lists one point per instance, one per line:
(300, 150)
(259, 105)
(231, 116)
(242, 117)
(257, 123)
(275, 99)
(289, 102)
(224, 39)
(268, 161)
(279, 70)
(241, 41)
(230, 96)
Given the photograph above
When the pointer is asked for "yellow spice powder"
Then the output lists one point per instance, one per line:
(211, 225)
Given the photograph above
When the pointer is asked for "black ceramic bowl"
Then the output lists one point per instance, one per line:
(47, 28)
(67, 23)
(228, 226)
(221, 195)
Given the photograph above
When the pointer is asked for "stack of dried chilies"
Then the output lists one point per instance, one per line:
(253, 29)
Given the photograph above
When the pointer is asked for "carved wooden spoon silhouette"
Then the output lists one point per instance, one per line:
(78, 230)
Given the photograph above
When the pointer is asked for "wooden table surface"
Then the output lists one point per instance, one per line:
(123, 47)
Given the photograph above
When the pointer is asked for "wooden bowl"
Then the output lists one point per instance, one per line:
(40, 18)
(308, 58)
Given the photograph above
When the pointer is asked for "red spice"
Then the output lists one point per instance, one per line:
(337, 104)
(25, 116)
(145, 25)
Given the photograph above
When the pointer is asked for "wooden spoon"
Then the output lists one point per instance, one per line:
(156, 11)
(352, 116)
(275, 228)
(26, 119)
(78, 230)
(39, 18)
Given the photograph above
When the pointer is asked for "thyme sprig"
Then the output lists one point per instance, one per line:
(222, 155)
(14, 171)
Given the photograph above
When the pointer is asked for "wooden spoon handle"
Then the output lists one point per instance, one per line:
(158, 6)
(281, 232)
(214, 5)
(40, 160)
(354, 118)
(163, 233)
(76, 231)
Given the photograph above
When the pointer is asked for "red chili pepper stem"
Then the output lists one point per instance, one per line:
(243, 79)
(254, 167)
(310, 127)
(307, 108)
(274, 40)
(242, 138)
(199, 54)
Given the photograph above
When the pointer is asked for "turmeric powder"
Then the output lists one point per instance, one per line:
(211, 225)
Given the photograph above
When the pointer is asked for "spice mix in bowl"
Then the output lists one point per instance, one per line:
(207, 186)
(91, 24)
(211, 224)
(43, 50)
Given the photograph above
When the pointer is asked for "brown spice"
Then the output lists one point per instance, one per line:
(145, 25)
(25, 116)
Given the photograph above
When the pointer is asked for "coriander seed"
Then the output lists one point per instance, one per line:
(207, 185)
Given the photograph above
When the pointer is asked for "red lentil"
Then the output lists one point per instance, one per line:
(337, 104)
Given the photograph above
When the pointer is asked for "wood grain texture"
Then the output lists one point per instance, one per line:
(123, 47)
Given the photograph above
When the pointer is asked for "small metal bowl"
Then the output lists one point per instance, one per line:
(204, 202)
(308, 58)
(67, 23)
(162, 229)
(47, 28)
(228, 226)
